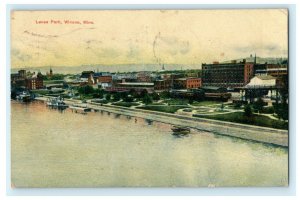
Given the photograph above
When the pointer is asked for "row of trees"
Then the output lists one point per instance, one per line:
(281, 109)
(144, 96)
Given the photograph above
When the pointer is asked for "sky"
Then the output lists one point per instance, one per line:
(45, 38)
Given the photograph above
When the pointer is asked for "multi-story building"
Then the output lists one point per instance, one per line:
(137, 86)
(104, 79)
(143, 76)
(30, 82)
(34, 82)
(162, 85)
(187, 83)
(227, 74)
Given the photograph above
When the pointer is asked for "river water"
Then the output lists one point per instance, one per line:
(64, 149)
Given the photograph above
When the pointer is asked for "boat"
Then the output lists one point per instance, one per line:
(56, 102)
(24, 97)
(180, 130)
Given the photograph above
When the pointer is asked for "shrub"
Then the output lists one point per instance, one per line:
(259, 104)
(155, 96)
(248, 111)
(147, 99)
(268, 110)
(108, 97)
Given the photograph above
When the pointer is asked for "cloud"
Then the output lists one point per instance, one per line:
(173, 45)
(16, 54)
(264, 49)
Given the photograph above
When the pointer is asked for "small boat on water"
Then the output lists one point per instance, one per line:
(24, 97)
(56, 102)
(180, 130)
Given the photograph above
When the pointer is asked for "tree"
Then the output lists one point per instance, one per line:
(98, 93)
(147, 99)
(222, 106)
(108, 97)
(191, 100)
(282, 110)
(86, 89)
(117, 96)
(165, 94)
(155, 96)
(248, 111)
(128, 98)
(143, 93)
(259, 104)
(199, 94)
(133, 93)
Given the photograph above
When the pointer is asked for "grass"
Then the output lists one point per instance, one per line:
(258, 120)
(41, 92)
(206, 103)
(167, 109)
(126, 104)
(100, 101)
(176, 101)
(156, 104)
(53, 81)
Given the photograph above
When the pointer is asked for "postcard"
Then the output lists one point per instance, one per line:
(149, 98)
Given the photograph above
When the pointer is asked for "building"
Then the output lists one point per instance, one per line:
(137, 86)
(229, 75)
(105, 79)
(187, 83)
(27, 80)
(18, 79)
(163, 85)
(216, 93)
(34, 82)
(275, 70)
(261, 86)
(143, 76)
(50, 73)
(262, 81)
(88, 77)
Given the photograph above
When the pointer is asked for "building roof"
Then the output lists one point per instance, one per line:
(211, 88)
(265, 77)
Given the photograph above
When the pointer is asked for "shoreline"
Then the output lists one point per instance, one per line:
(243, 131)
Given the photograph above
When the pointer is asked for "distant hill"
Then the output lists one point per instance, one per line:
(112, 68)
(260, 60)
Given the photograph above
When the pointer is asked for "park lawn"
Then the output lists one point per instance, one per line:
(104, 101)
(156, 104)
(41, 92)
(126, 104)
(167, 109)
(206, 103)
(239, 117)
(176, 101)
(52, 81)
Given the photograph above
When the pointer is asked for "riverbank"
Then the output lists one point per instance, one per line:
(243, 131)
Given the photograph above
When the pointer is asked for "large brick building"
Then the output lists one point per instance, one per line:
(163, 85)
(105, 79)
(29, 81)
(187, 83)
(227, 74)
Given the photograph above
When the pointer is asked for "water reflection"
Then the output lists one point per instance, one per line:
(148, 121)
(117, 116)
(50, 149)
(179, 135)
